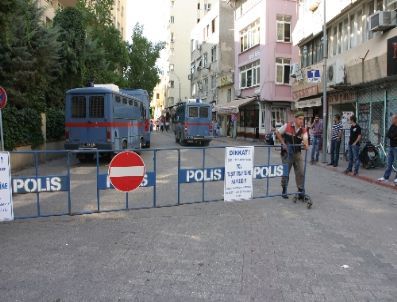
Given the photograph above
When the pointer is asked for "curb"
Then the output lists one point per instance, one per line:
(364, 178)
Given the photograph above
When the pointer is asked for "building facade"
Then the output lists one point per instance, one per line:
(361, 70)
(263, 54)
(184, 15)
(158, 98)
(212, 59)
(118, 12)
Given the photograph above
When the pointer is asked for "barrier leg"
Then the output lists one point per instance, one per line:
(36, 167)
(179, 168)
(268, 164)
(155, 178)
(69, 185)
(203, 182)
(97, 182)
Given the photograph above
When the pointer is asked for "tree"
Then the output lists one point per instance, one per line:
(143, 54)
(28, 55)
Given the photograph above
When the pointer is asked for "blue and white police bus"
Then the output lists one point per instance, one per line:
(104, 117)
(192, 122)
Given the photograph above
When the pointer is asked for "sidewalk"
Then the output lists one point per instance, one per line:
(368, 175)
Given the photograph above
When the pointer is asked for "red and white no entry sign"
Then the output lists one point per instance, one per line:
(126, 171)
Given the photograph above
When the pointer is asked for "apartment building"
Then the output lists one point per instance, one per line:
(184, 15)
(263, 54)
(361, 70)
(118, 12)
(212, 59)
(158, 99)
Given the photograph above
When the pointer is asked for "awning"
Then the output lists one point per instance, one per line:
(232, 107)
(316, 102)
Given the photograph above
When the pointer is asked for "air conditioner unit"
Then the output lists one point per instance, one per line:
(336, 74)
(382, 20)
(189, 76)
(295, 70)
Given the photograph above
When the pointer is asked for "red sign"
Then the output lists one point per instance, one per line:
(3, 98)
(126, 171)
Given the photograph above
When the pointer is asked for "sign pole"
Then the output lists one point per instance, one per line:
(1, 130)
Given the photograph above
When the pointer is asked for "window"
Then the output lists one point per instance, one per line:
(213, 25)
(198, 20)
(282, 70)
(205, 88)
(339, 38)
(213, 54)
(278, 117)
(334, 41)
(198, 5)
(135, 104)
(157, 96)
(172, 84)
(118, 99)
(204, 112)
(193, 111)
(172, 19)
(131, 102)
(192, 68)
(250, 36)
(229, 95)
(125, 101)
(172, 66)
(352, 31)
(172, 37)
(97, 106)
(250, 75)
(213, 82)
(345, 35)
(283, 28)
(205, 60)
(78, 107)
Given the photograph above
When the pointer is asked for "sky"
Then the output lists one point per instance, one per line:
(153, 14)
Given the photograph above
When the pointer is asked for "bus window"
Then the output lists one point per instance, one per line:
(78, 107)
(118, 99)
(130, 102)
(97, 106)
(135, 103)
(193, 112)
(204, 112)
(125, 101)
(142, 110)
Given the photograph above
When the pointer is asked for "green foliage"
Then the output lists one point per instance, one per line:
(143, 72)
(55, 124)
(21, 127)
(28, 56)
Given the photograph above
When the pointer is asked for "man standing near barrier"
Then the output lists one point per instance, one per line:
(291, 135)
(354, 146)
(392, 154)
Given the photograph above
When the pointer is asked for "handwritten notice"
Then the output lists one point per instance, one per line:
(6, 210)
(239, 166)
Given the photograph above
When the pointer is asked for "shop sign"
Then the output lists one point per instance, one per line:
(306, 92)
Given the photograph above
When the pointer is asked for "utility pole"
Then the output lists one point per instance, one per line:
(325, 78)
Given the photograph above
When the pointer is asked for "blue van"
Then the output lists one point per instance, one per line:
(192, 123)
(143, 96)
(103, 118)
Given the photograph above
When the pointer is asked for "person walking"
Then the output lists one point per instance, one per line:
(354, 146)
(392, 154)
(167, 125)
(162, 123)
(317, 131)
(291, 136)
(336, 138)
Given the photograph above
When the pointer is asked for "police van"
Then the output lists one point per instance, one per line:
(192, 123)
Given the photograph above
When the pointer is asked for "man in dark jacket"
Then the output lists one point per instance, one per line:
(392, 154)
(354, 146)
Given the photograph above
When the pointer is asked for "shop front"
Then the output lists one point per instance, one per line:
(311, 107)
(229, 116)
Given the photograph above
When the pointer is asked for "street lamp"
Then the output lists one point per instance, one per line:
(313, 8)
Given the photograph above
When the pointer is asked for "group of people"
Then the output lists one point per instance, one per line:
(162, 124)
(294, 135)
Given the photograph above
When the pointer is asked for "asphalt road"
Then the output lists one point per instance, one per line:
(344, 249)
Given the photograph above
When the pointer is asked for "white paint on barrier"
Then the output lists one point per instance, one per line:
(127, 171)
(206, 175)
(6, 206)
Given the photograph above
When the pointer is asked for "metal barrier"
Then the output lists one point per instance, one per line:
(168, 170)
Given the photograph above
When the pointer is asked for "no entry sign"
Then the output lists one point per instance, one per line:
(126, 171)
(3, 98)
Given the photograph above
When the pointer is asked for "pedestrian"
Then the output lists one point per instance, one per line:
(291, 136)
(354, 146)
(167, 125)
(162, 123)
(336, 138)
(392, 154)
(157, 124)
(317, 131)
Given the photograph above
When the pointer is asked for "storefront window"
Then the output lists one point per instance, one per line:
(278, 117)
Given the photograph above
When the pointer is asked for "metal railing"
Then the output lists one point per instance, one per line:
(63, 186)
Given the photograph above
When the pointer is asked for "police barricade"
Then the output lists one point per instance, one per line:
(174, 176)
